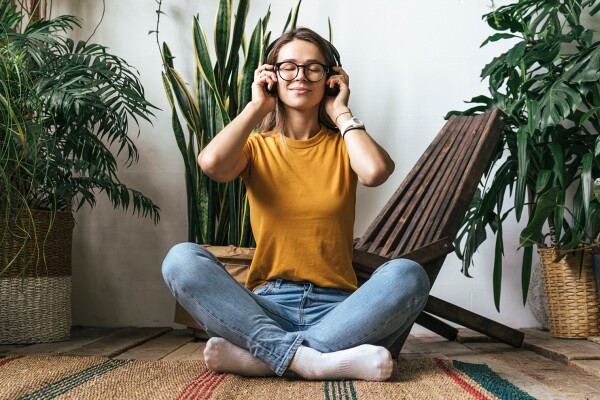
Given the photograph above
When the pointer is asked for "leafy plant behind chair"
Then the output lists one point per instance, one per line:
(548, 85)
(218, 213)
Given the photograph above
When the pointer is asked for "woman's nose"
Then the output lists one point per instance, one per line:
(301, 76)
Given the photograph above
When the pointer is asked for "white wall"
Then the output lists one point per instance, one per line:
(409, 63)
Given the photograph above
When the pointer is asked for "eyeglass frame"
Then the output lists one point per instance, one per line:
(326, 70)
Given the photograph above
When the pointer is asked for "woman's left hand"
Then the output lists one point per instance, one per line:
(336, 104)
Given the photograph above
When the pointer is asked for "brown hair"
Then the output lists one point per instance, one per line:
(274, 121)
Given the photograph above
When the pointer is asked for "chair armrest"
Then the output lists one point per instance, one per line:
(369, 262)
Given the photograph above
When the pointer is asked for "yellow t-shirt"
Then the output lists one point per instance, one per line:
(302, 205)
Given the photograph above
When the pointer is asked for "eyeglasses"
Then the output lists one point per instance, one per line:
(314, 72)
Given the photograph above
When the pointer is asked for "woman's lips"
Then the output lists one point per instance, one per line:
(299, 90)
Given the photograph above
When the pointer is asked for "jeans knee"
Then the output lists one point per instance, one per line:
(405, 272)
(180, 258)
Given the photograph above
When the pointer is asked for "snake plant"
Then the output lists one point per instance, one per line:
(218, 213)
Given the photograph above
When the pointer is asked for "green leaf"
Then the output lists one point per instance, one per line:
(506, 60)
(295, 16)
(557, 103)
(544, 207)
(287, 22)
(330, 30)
(585, 67)
(221, 36)
(254, 54)
(597, 189)
(526, 271)
(558, 165)
(586, 181)
(523, 164)
(542, 180)
(498, 36)
(497, 275)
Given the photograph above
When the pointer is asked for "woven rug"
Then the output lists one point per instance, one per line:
(58, 377)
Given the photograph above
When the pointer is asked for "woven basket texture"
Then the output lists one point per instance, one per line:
(570, 284)
(35, 290)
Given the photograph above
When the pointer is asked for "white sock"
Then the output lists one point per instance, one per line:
(221, 355)
(366, 362)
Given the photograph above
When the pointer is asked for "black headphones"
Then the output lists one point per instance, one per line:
(338, 63)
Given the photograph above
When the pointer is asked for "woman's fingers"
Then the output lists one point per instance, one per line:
(265, 75)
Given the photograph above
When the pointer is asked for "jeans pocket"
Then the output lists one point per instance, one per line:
(264, 289)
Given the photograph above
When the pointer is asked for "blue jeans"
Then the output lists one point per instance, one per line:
(275, 319)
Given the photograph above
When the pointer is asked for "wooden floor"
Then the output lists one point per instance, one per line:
(545, 367)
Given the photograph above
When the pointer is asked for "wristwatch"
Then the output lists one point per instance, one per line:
(352, 123)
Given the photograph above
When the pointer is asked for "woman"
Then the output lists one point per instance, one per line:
(301, 309)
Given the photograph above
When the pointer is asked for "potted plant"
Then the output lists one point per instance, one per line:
(66, 108)
(548, 85)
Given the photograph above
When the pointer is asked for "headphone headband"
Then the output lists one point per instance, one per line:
(336, 54)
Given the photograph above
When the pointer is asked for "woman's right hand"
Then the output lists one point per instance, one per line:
(264, 77)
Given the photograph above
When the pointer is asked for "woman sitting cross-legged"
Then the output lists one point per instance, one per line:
(301, 309)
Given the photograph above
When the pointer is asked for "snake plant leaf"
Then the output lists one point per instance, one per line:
(250, 65)
(586, 181)
(287, 22)
(221, 36)
(295, 16)
(203, 55)
(204, 65)
(185, 100)
(523, 165)
(330, 30)
(497, 274)
(237, 38)
(544, 207)
(526, 271)
(557, 103)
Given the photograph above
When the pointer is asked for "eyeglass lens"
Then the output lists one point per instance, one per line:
(289, 71)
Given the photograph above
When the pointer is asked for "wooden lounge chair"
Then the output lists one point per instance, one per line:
(424, 215)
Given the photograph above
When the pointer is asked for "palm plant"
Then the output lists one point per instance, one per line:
(547, 83)
(217, 212)
(65, 104)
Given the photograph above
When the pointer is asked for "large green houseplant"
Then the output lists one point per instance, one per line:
(65, 115)
(547, 83)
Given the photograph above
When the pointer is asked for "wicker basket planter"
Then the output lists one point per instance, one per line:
(35, 306)
(236, 261)
(570, 284)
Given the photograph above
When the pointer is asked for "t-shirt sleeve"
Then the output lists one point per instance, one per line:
(248, 152)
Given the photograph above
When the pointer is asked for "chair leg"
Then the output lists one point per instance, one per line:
(474, 321)
(396, 348)
(437, 326)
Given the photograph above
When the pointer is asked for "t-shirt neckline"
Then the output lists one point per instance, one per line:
(303, 144)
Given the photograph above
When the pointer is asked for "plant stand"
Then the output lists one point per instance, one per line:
(35, 291)
(236, 261)
(573, 305)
